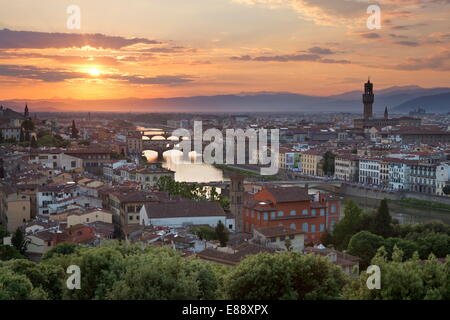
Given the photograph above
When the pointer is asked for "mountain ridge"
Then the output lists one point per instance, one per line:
(397, 99)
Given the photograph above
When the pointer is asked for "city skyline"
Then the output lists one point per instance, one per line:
(158, 49)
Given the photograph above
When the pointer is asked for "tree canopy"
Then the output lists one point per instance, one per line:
(364, 245)
(287, 275)
(404, 279)
(351, 223)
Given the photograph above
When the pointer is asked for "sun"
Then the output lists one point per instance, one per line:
(95, 72)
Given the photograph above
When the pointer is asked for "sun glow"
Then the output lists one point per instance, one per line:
(95, 72)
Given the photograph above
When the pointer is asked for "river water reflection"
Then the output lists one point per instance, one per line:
(186, 171)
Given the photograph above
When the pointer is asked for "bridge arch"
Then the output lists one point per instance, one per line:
(158, 137)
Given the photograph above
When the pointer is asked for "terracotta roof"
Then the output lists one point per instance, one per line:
(184, 208)
(45, 235)
(77, 212)
(289, 194)
(135, 196)
(270, 232)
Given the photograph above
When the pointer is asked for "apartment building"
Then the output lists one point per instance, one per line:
(277, 237)
(346, 167)
(442, 177)
(93, 159)
(57, 159)
(293, 208)
(311, 162)
(15, 208)
(399, 174)
(369, 171)
(89, 216)
(422, 178)
(134, 142)
(52, 199)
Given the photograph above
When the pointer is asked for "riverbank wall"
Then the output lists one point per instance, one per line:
(364, 192)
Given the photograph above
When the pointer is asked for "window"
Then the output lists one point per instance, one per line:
(293, 226)
(272, 215)
(293, 212)
(131, 217)
(291, 237)
(280, 213)
(322, 212)
(73, 164)
(333, 208)
(313, 228)
(313, 212)
(266, 216)
(305, 227)
(282, 238)
(322, 227)
(305, 211)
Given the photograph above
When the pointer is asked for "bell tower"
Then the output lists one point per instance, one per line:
(237, 201)
(26, 113)
(368, 99)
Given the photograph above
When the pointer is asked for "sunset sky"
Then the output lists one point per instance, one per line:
(168, 48)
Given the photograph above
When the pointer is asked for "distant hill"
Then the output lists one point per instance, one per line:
(438, 103)
(243, 102)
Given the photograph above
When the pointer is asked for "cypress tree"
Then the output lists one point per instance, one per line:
(18, 240)
(222, 234)
(382, 220)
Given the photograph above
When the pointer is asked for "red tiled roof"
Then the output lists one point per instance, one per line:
(289, 194)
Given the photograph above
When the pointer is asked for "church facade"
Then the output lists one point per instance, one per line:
(369, 121)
